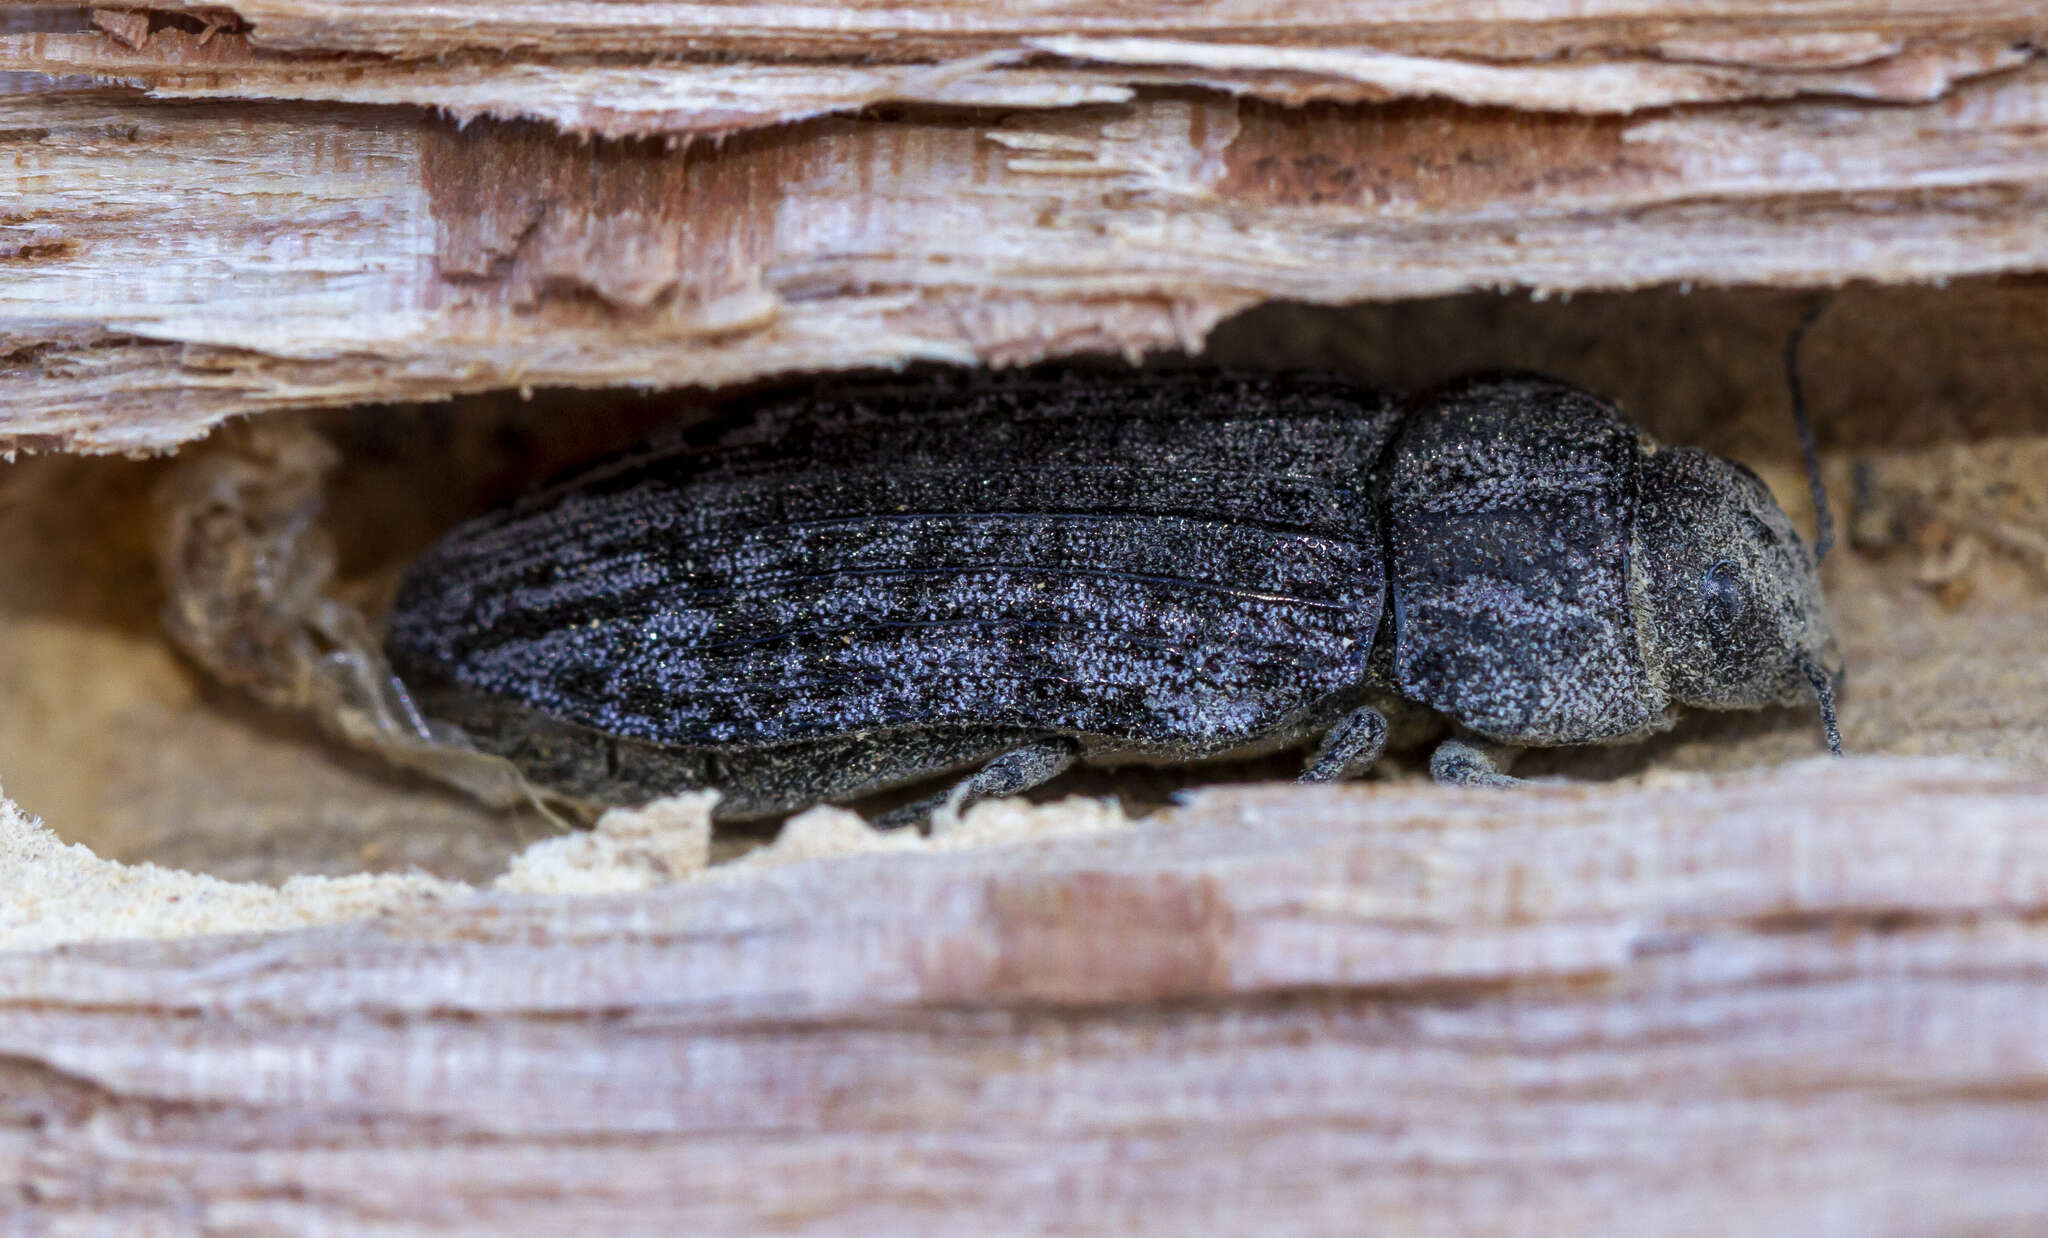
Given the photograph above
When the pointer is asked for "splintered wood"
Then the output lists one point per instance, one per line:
(1802, 1003)
(1039, 184)
(1807, 1001)
(707, 97)
(668, 67)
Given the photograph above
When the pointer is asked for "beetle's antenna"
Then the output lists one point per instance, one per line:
(1824, 689)
(1824, 520)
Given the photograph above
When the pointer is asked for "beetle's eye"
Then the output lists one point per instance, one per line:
(1722, 589)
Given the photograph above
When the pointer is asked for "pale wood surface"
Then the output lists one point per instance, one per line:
(1813, 1002)
(630, 93)
(172, 265)
(1771, 32)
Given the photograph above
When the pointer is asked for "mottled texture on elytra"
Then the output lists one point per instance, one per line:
(1509, 506)
(1185, 564)
(871, 584)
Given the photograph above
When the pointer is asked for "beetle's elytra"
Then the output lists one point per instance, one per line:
(850, 590)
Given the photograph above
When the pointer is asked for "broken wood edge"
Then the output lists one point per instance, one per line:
(643, 96)
(1802, 1001)
(722, 267)
(1862, 836)
(1779, 33)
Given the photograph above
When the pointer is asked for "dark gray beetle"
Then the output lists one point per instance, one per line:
(872, 585)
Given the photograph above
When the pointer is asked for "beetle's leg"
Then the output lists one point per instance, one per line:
(1473, 763)
(1009, 774)
(1350, 748)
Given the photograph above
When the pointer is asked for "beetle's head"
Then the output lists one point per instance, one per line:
(1736, 617)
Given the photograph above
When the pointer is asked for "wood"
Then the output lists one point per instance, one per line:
(364, 253)
(1763, 32)
(1810, 1002)
(642, 95)
(171, 266)
(1807, 1001)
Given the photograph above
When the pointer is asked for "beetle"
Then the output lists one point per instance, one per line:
(866, 586)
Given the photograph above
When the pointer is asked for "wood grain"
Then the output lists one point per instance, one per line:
(1780, 32)
(1808, 1002)
(637, 94)
(168, 266)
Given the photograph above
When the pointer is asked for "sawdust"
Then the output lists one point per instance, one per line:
(56, 892)
(1954, 510)
(639, 848)
(826, 831)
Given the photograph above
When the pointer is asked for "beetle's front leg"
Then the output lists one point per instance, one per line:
(1473, 763)
(1350, 748)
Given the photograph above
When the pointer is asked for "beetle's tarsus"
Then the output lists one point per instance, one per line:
(1466, 763)
(1350, 748)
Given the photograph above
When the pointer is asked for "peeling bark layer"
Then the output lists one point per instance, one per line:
(632, 94)
(168, 266)
(1773, 33)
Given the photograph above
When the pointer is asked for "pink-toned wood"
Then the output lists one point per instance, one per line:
(1806, 1002)
(1798, 33)
(640, 94)
(168, 266)
(1812, 1002)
